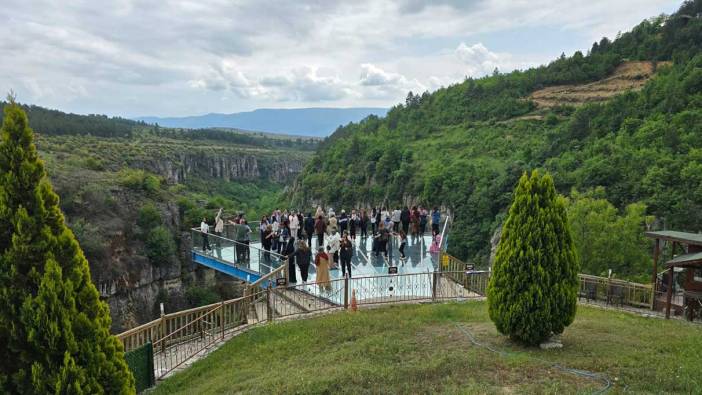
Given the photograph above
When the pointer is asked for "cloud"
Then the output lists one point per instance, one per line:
(377, 83)
(479, 60)
(176, 57)
(299, 84)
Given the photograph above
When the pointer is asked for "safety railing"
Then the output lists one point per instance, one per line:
(236, 253)
(615, 292)
(198, 332)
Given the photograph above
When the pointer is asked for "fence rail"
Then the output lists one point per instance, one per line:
(616, 292)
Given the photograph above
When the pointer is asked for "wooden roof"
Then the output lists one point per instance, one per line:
(693, 259)
(681, 237)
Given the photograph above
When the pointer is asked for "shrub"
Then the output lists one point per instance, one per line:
(532, 293)
(159, 245)
(148, 217)
(200, 296)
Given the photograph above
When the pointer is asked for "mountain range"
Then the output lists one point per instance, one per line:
(318, 122)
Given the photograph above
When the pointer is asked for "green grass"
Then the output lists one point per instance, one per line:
(419, 349)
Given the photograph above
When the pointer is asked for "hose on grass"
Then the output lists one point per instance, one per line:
(607, 383)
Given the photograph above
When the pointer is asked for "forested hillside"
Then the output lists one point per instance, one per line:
(131, 192)
(626, 162)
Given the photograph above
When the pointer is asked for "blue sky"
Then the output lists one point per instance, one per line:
(175, 58)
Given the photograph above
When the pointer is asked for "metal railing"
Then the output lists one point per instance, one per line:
(236, 253)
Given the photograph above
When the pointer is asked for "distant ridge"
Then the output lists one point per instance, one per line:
(299, 121)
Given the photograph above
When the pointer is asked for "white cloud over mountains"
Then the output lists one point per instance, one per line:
(172, 57)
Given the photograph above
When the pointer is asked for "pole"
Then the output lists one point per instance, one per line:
(221, 318)
(434, 281)
(163, 327)
(654, 276)
(346, 292)
(669, 295)
(269, 309)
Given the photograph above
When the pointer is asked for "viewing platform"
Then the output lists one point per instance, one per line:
(255, 265)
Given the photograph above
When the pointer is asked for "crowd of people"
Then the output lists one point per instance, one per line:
(291, 235)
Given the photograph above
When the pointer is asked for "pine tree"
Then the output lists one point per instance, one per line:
(532, 293)
(54, 330)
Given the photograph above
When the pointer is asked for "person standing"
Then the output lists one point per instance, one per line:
(332, 223)
(321, 261)
(262, 226)
(275, 227)
(403, 244)
(334, 245)
(435, 242)
(374, 220)
(435, 219)
(294, 224)
(414, 222)
(205, 230)
(353, 224)
(343, 222)
(319, 227)
(289, 253)
(423, 220)
(266, 242)
(301, 221)
(219, 228)
(382, 240)
(303, 257)
(405, 219)
(345, 253)
(309, 228)
(396, 218)
(247, 240)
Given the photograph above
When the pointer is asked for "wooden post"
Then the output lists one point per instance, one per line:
(221, 317)
(669, 294)
(269, 309)
(162, 325)
(654, 276)
(434, 281)
(346, 292)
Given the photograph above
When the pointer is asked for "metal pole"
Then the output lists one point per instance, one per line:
(346, 292)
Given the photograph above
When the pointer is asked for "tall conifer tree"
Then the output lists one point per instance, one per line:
(54, 330)
(532, 293)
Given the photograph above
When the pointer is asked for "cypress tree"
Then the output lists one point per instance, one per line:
(54, 329)
(532, 293)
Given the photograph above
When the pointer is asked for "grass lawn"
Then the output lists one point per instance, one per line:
(420, 349)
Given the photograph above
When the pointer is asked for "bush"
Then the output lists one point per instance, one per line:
(159, 245)
(139, 180)
(148, 217)
(201, 296)
(533, 290)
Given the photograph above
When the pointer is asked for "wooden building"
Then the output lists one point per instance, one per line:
(686, 253)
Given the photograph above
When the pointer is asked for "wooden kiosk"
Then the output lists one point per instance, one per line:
(688, 246)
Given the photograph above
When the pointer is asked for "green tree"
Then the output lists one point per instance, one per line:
(159, 245)
(54, 330)
(532, 293)
(607, 239)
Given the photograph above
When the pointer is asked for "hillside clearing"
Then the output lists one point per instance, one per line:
(628, 76)
(424, 348)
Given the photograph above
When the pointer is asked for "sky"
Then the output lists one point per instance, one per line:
(175, 58)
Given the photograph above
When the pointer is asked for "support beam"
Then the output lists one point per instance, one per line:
(669, 294)
(654, 276)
